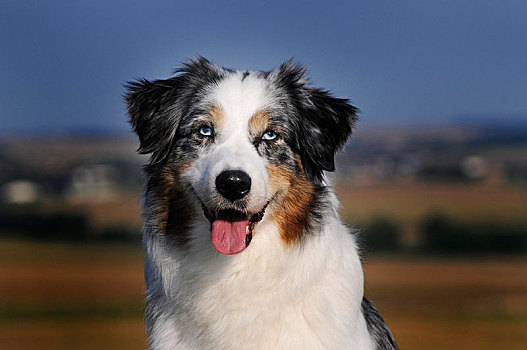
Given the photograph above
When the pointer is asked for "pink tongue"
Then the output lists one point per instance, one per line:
(228, 237)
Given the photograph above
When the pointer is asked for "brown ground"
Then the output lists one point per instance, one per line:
(460, 304)
(90, 297)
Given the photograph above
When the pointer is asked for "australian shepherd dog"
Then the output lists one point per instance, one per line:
(244, 245)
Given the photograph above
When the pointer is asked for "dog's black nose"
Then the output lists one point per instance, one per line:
(233, 184)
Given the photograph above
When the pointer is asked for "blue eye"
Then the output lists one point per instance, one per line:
(269, 135)
(206, 131)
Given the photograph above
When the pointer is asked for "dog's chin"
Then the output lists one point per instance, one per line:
(231, 229)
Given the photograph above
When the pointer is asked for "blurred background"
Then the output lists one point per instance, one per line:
(435, 176)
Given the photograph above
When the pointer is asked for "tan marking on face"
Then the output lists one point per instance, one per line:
(259, 122)
(216, 116)
(183, 166)
(279, 178)
(291, 210)
(170, 205)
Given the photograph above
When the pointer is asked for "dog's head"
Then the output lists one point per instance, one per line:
(239, 143)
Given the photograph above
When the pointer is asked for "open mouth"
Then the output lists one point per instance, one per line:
(232, 230)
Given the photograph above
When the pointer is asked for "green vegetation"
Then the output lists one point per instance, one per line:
(443, 234)
(381, 234)
(439, 233)
(12, 312)
(32, 221)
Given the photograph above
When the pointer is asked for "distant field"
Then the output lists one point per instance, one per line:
(408, 202)
(123, 210)
(55, 296)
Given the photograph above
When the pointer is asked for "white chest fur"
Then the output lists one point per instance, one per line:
(268, 297)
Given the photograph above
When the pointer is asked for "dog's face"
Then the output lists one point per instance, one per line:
(245, 145)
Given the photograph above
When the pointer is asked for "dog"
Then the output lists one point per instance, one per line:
(244, 245)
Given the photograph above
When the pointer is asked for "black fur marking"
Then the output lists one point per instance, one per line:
(166, 205)
(319, 209)
(245, 75)
(379, 332)
(277, 153)
(150, 114)
(248, 239)
(283, 157)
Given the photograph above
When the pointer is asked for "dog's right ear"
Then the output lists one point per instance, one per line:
(154, 116)
(323, 123)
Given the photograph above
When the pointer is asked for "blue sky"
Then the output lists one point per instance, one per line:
(63, 63)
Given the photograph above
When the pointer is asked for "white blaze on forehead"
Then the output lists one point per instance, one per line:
(239, 99)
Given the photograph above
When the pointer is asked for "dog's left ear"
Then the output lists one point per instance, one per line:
(324, 122)
(153, 114)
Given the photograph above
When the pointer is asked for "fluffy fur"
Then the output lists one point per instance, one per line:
(297, 282)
